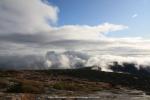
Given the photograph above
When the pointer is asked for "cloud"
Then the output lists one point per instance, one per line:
(62, 37)
(86, 32)
(76, 59)
(28, 28)
(69, 59)
(26, 16)
(128, 64)
(22, 62)
(70, 32)
(135, 15)
(28, 44)
(34, 16)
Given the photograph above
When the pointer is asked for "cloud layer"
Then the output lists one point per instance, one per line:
(28, 27)
(26, 16)
(73, 59)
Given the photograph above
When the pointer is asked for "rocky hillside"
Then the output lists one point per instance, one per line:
(64, 82)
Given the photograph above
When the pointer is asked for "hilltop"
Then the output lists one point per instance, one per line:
(82, 80)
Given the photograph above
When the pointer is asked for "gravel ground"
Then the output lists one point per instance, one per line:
(101, 95)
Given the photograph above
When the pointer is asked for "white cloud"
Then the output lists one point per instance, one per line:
(85, 32)
(26, 16)
(29, 17)
(25, 30)
(135, 15)
(72, 59)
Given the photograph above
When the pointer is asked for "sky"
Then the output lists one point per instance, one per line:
(133, 13)
(61, 30)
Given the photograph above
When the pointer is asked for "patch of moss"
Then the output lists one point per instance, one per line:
(68, 86)
(25, 87)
